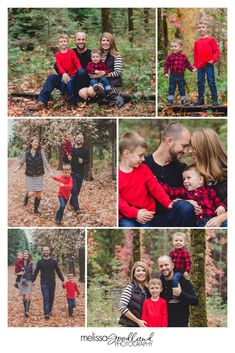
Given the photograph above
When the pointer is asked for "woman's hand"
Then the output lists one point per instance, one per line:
(217, 221)
(142, 323)
(144, 216)
(220, 210)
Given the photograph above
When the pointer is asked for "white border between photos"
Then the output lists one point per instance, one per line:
(60, 340)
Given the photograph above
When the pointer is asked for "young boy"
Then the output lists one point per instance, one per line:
(181, 259)
(206, 53)
(154, 310)
(175, 65)
(19, 266)
(66, 184)
(71, 289)
(194, 189)
(67, 64)
(138, 187)
(66, 149)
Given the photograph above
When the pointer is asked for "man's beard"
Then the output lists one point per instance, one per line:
(79, 47)
(174, 156)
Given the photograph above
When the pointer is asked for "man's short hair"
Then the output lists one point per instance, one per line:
(172, 130)
(155, 281)
(167, 256)
(130, 141)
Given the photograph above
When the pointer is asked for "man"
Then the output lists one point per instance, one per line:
(166, 166)
(178, 312)
(47, 266)
(53, 80)
(78, 159)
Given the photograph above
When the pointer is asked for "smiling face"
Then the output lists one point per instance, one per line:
(63, 43)
(79, 139)
(140, 274)
(26, 255)
(136, 157)
(202, 29)
(46, 252)
(155, 290)
(95, 58)
(178, 146)
(192, 179)
(175, 48)
(34, 144)
(166, 266)
(80, 40)
(178, 241)
(105, 44)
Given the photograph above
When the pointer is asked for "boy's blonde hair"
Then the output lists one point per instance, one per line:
(177, 41)
(203, 22)
(155, 281)
(130, 141)
(179, 234)
(70, 275)
(96, 51)
(66, 167)
(64, 36)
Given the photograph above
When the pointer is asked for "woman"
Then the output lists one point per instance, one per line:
(113, 61)
(25, 285)
(211, 160)
(133, 296)
(36, 162)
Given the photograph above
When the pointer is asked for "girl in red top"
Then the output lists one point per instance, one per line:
(67, 64)
(206, 53)
(66, 185)
(19, 267)
(71, 289)
(154, 311)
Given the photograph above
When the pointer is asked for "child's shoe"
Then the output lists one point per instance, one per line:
(169, 102)
(185, 102)
(215, 102)
(199, 101)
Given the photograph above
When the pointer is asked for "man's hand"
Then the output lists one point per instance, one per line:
(69, 157)
(144, 216)
(186, 274)
(197, 208)
(80, 160)
(166, 76)
(177, 291)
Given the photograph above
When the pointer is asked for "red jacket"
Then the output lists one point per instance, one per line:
(205, 49)
(71, 288)
(155, 313)
(100, 66)
(67, 62)
(140, 189)
(65, 190)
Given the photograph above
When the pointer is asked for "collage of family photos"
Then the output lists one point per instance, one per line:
(117, 167)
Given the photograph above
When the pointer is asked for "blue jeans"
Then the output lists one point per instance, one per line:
(54, 81)
(180, 215)
(105, 82)
(176, 279)
(77, 183)
(176, 80)
(71, 303)
(60, 211)
(201, 73)
(132, 223)
(48, 293)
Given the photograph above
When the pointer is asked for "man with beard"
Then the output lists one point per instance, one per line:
(82, 78)
(167, 168)
(47, 267)
(178, 312)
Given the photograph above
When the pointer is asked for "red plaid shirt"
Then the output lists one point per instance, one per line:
(181, 259)
(205, 196)
(101, 66)
(177, 63)
(66, 148)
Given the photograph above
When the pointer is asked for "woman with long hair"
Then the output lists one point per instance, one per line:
(210, 157)
(25, 285)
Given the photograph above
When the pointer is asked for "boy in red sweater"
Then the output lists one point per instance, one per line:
(66, 184)
(154, 311)
(71, 289)
(206, 53)
(67, 64)
(138, 187)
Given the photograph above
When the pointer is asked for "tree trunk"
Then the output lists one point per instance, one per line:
(82, 264)
(198, 316)
(60, 162)
(136, 253)
(146, 20)
(88, 168)
(107, 20)
(130, 24)
(71, 266)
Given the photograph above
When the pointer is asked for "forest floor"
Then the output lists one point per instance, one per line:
(59, 317)
(97, 200)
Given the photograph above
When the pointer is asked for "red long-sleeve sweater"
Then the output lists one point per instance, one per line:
(139, 189)
(65, 190)
(67, 62)
(205, 49)
(71, 289)
(155, 313)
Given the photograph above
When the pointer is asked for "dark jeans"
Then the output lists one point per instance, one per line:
(48, 293)
(60, 211)
(53, 81)
(77, 183)
(105, 82)
(207, 70)
(180, 215)
(71, 303)
(176, 80)
(176, 279)
(132, 223)
(68, 87)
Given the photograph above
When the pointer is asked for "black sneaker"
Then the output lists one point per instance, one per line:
(47, 317)
(58, 222)
(99, 90)
(199, 101)
(169, 102)
(16, 285)
(215, 103)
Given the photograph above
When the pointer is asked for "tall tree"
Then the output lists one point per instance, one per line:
(107, 25)
(130, 24)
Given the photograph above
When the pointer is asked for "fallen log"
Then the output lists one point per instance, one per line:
(194, 109)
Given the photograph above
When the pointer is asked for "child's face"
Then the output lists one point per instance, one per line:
(155, 290)
(178, 241)
(95, 58)
(20, 256)
(192, 180)
(202, 29)
(69, 137)
(175, 48)
(70, 278)
(66, 173)
(63, 43)
(136, 157)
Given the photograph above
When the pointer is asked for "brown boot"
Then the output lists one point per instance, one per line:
(38, 106)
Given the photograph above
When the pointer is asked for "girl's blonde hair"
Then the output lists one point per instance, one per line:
(141, 264)
(211, 158)
(113, 47)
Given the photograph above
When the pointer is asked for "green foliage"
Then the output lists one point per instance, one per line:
(17, 241)
(217, 309)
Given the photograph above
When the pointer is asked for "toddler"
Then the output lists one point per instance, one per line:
(154, 311)
(71, 289)
(66, 149)
(19, 266)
